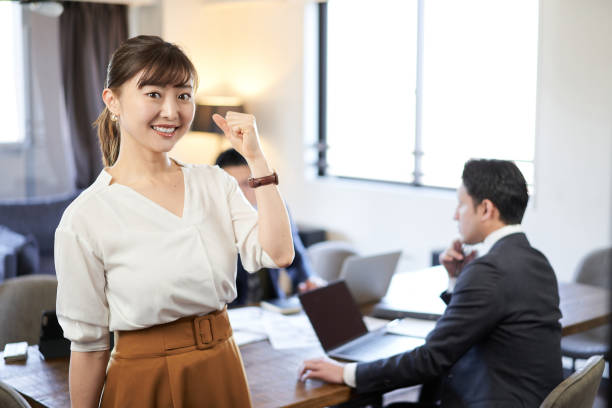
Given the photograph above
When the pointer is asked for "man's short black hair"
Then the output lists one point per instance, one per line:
(499, 181)
(229, 158)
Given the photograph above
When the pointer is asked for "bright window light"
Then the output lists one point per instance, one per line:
(371, 77)
(478, 65)
(479, 85)
(11, 86)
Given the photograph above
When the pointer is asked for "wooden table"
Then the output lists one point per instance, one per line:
(583, 306)
(272, 374)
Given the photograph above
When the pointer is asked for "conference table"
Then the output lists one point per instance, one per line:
(272, 374)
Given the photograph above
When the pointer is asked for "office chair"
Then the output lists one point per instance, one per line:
(594, 270)
(9, 398)
(22, 301)
(327, 258)
(579, 389)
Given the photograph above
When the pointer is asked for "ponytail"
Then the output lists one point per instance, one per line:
(109, 137)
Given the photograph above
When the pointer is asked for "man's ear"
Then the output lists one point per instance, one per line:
(111, 101)
(489, 210)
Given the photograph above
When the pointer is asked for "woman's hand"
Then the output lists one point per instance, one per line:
(241, 130)
(323, 369)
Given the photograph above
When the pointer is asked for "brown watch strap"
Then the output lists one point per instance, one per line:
(262, 181)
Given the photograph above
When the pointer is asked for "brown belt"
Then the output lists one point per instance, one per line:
(185, 334)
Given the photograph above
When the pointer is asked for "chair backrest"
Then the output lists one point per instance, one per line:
(37, 216)
(22, 301)
(579, 389)
(9, 398)
(327, 258)
(595, 268)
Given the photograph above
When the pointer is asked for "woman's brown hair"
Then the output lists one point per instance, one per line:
(161, 63)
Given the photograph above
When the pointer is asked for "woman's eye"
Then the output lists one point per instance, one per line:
(154, 94)
(185, 97)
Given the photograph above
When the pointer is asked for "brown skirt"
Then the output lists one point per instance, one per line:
(191, 362)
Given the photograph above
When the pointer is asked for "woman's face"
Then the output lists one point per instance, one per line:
(154, 116)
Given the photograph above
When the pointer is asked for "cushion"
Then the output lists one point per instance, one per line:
(23, 248)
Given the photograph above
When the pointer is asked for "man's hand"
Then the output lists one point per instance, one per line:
(322, 369)
(311, 283)
(454, 259)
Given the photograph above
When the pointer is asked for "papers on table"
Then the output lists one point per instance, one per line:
(374, 323)
(252, 324)
(247, 325)
(409, 326)
(285, 332)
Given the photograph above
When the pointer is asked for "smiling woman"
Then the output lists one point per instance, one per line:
(149, 250)
(141, 69)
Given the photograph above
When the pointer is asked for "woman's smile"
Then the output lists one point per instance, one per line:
(165, 130)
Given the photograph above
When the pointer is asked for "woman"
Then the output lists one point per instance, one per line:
(149, 249)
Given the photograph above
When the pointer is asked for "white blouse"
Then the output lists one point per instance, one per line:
(124, 262)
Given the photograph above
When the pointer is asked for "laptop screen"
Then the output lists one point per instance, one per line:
(333, 314)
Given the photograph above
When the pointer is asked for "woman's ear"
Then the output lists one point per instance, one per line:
(111, 101)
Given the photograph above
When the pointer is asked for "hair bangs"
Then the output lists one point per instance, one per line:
(170, 68)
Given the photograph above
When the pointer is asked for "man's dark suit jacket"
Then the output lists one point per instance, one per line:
(498, 342)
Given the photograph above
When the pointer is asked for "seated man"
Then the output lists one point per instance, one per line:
(498, 342)
(264, 284)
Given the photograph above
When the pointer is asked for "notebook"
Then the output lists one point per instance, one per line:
(339, 326)
(368, 277)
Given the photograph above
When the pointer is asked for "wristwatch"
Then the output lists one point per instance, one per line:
(262, 181)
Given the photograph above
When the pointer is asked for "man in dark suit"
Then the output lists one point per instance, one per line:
(498, 342)
(265, 284)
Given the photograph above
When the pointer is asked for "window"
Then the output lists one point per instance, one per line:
(411, 89)
(11, 85)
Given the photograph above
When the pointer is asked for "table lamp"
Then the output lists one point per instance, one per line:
(208, 106)
(206, 141)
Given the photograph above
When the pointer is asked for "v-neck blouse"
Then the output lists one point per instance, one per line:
(123, 262)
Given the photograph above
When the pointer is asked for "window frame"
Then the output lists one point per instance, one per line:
(418, 152)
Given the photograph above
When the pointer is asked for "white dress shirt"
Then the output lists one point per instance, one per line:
(350, 370)
(124, 262)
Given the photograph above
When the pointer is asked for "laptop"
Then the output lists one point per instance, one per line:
(415, 294)
(339, 326)
(368, 277)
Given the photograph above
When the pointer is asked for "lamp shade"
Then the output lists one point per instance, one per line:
(203, 122)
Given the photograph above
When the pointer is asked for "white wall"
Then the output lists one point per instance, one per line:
(573, 205)
(266, 52)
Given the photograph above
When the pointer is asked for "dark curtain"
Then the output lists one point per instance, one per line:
(89, 33)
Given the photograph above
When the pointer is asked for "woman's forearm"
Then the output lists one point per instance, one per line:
(87, 373)
(274, 227)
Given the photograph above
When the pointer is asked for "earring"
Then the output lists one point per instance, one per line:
(113, 117)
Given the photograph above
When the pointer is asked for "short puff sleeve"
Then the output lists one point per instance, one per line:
(82, 308)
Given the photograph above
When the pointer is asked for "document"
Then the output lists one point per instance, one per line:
(247, 325)
(285, 332)
(412, 327)
(252, 324)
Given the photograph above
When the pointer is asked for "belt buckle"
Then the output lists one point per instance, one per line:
(203, 332)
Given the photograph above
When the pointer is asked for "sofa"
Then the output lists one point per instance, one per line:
(35, 220)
